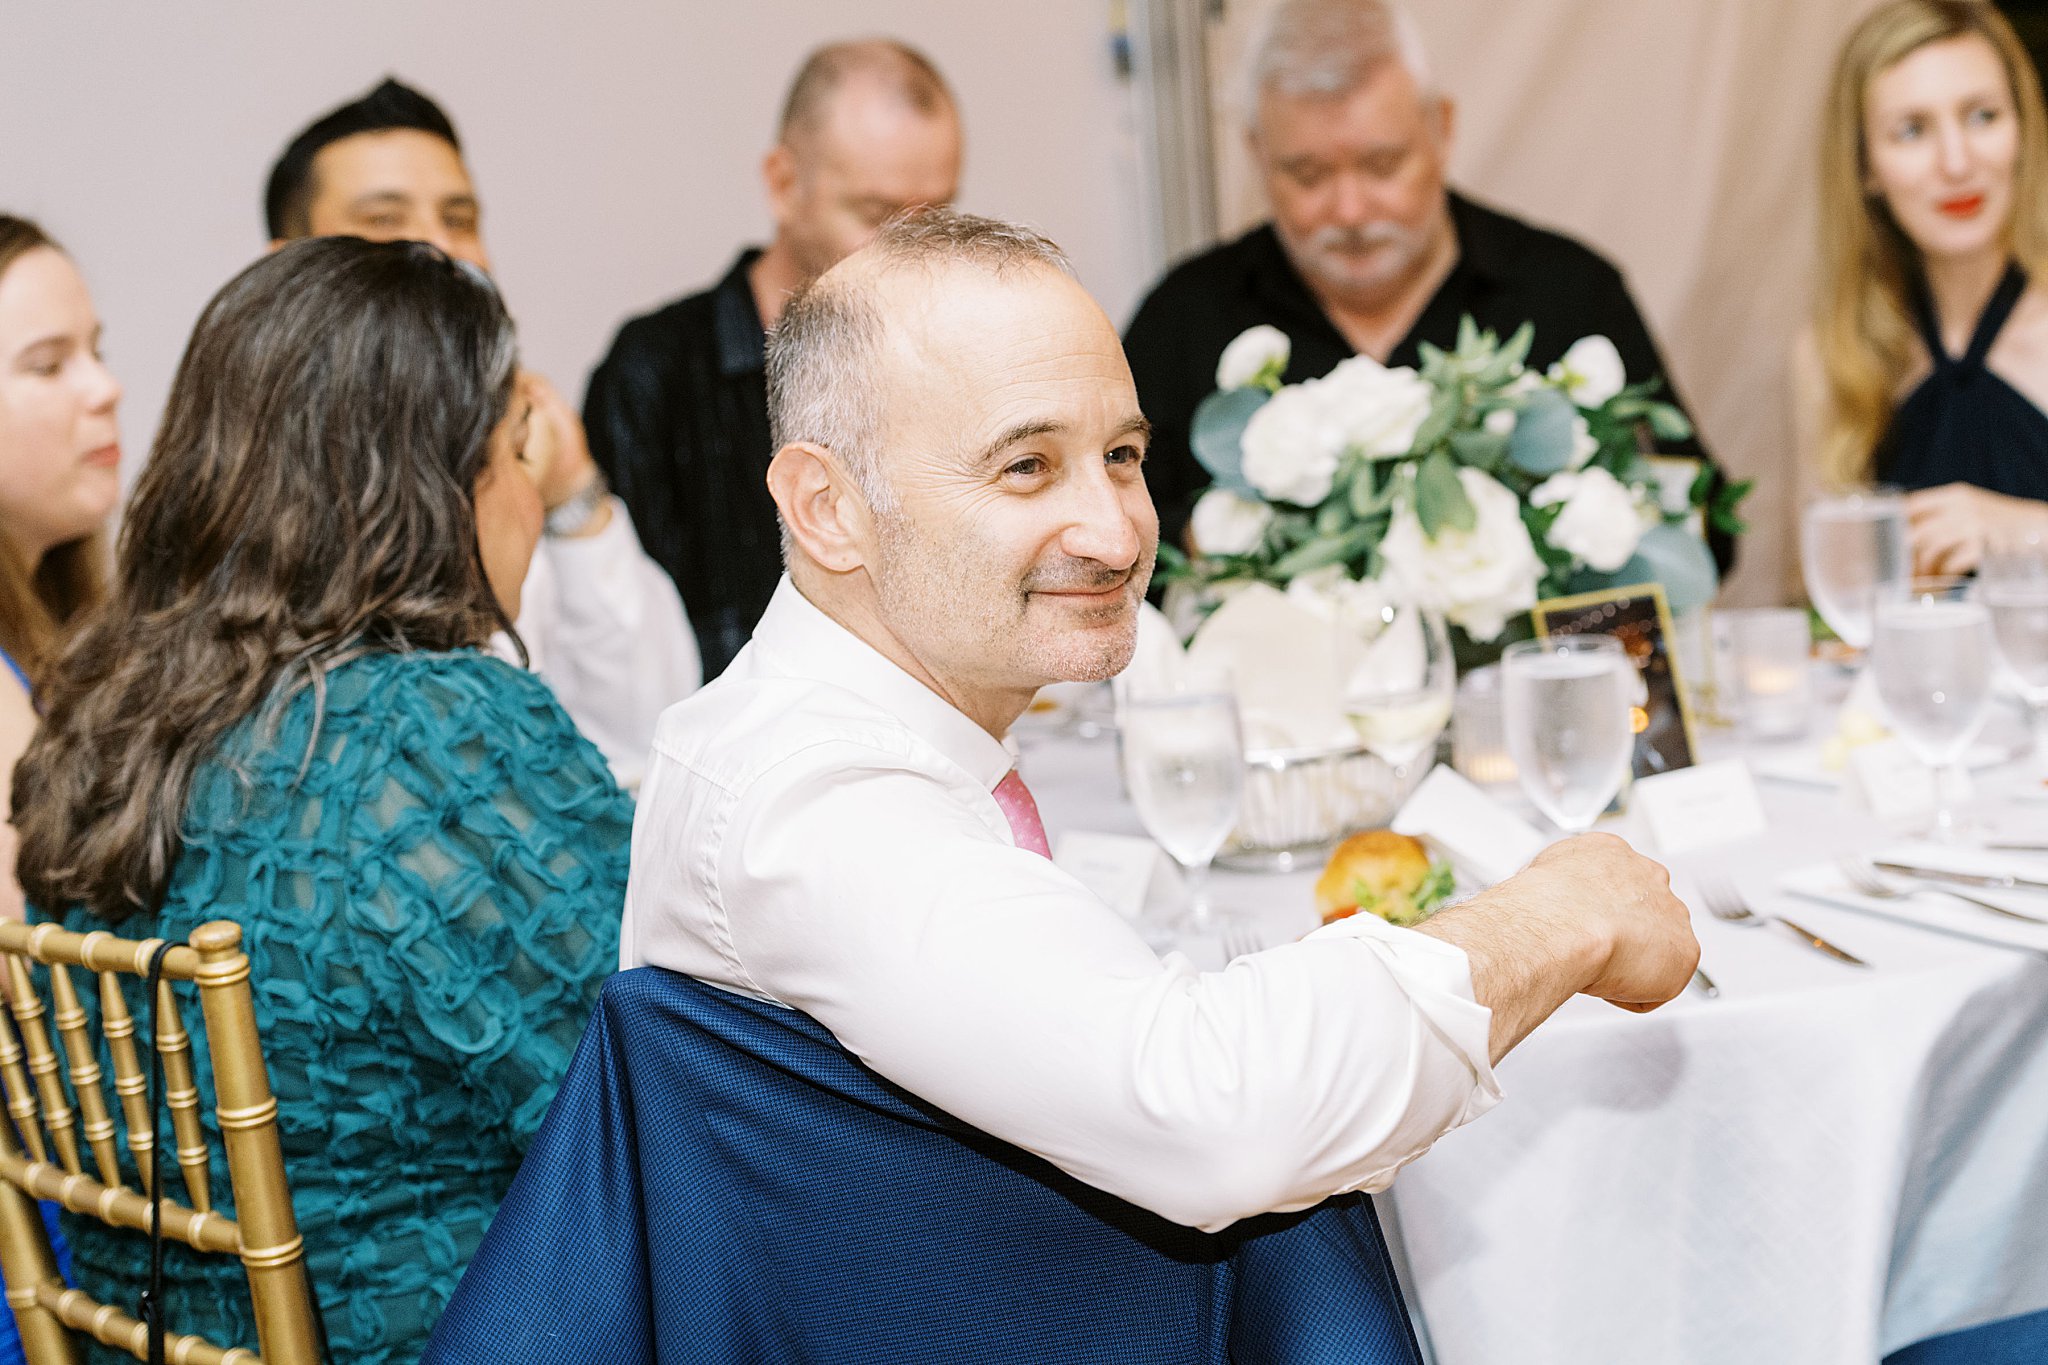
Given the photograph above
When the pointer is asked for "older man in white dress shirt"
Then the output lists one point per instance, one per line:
(834, 824)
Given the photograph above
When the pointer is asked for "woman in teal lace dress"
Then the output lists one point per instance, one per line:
(285, 717)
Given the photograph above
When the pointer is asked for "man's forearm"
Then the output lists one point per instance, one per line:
(1524, 965)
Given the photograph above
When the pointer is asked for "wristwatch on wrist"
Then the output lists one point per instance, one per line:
(573, 515)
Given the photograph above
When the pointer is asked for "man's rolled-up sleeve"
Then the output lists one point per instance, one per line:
(986, 980)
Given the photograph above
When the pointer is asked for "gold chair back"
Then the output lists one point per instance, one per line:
(42, 1153)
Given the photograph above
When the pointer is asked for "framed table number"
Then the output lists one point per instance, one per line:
(1638, 616)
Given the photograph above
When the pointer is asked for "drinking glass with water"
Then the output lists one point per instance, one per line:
(1183, 756)
(1568, 708)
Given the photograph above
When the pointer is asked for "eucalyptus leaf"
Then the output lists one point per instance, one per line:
(1443, 415)
(1480, 448)
(1669, 423)
(1517, 349)
(1668, 554)
(1217, 434)
(1440, 499)
(1362, 487)
(1319, 554)
(1332, 517)
(1541, 443)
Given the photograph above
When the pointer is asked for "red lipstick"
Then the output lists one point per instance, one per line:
(1962, 206)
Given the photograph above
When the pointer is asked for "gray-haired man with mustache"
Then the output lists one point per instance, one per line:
(1368, 252)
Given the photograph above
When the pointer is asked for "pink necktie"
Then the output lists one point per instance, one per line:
(1022, 813)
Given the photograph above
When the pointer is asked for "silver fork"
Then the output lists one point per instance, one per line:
(1872, 883)
(1725, 903)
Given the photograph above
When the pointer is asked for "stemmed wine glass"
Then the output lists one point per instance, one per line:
(1567, 706)
(1854, 553)
(2013, 586)
(1183, 756)
(1931, 657)
(1398, 679)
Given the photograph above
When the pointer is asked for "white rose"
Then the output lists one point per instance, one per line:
(1377, 409)
(1333, 594)
(1291, 447)
(1228, 523)
(1250, 354)
(1600, 523)
(1584, 447)
(1501, 421)
(1591, 371)
(1476, 578)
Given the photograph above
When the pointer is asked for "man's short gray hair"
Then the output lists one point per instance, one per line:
(823, 358)
(1326, 48)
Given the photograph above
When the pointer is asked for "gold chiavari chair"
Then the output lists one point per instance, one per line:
(41, 1156)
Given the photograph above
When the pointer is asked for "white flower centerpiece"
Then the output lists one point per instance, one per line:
(1469, 488)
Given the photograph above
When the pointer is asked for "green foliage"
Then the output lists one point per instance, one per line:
(1440, 499)
(1542, 439)
(1217, 434)
(1476, 378)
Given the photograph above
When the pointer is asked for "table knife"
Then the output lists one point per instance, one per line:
(1998, 880)
(1936, 877)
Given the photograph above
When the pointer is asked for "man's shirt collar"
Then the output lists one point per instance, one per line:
(801, 641)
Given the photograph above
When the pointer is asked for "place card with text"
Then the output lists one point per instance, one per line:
(1889, 781)
(1698, 807)
(1484, 840)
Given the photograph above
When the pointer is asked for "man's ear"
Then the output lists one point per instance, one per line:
(827, 519)
(1446, 123)
(779, 173)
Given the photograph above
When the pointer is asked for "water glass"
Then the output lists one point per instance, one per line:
(1931, 657)
(1854, 553)
(1568, 704)
(2013, 586)
(1772, 648)
(1397, 677)
(1183, 757)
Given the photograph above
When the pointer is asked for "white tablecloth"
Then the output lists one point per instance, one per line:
(1821, 1166)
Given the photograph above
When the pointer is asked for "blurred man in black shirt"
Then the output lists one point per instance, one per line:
(678, 411)
(1367, 253)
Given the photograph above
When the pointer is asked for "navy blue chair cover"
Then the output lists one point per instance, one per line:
(719, 1181)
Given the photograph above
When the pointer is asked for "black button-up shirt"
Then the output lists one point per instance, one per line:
(678, 421)
(1507, 273)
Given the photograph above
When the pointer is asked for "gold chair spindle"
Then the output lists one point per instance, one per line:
(21, 1096)
(42, 1065)
(265, 1234)
(181, 1093)
(129, 1083)
(273, 1253)
(98, 1127)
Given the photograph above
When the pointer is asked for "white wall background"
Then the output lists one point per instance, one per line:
(615, 144)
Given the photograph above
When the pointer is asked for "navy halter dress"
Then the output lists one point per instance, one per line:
(1963, 423)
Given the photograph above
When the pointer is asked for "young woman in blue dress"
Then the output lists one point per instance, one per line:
(1927, 366)
(284, 715)
(59, 448)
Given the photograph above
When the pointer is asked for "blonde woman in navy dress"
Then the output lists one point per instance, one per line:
(1927, 365)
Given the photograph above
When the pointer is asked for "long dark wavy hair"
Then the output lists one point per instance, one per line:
(311, 497)
(37, 600)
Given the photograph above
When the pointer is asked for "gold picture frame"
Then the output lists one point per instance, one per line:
(1638, 615)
